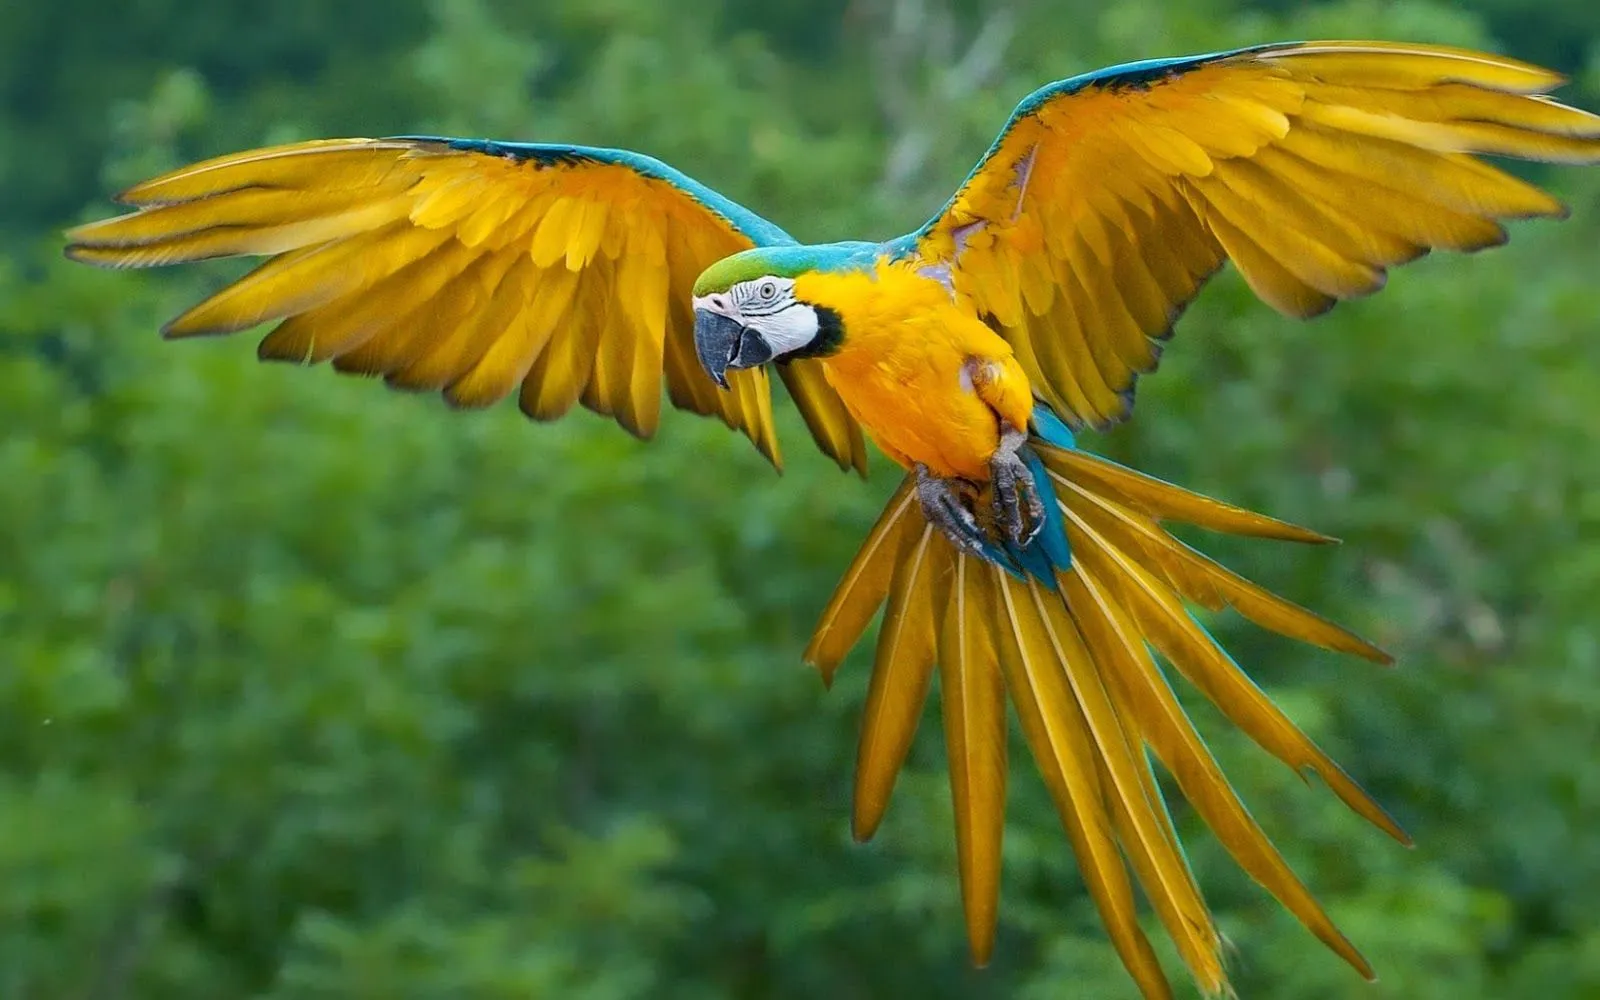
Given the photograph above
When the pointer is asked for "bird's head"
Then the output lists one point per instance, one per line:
(746, 312)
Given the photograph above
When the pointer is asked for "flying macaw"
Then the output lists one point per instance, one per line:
(969, 351)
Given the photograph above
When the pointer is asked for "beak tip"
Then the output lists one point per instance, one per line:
(716, 343)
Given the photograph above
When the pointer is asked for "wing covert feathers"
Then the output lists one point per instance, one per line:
(1095, 705)
(1110, 199)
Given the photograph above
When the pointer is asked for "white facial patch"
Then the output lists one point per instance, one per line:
(789, 330)
(768, 306)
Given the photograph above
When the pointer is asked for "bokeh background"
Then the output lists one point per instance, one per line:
(312, 691)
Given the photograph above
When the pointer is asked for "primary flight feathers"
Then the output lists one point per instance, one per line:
(565, 275)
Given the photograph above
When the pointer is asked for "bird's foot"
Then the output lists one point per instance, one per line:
(1017, 507)
(1016, 511)
(947, 509)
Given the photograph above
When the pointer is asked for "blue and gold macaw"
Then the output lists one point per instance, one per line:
(969, 351)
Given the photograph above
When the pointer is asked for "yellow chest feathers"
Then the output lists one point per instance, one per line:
(902, 366)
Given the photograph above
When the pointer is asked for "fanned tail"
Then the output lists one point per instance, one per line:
(1077, 654)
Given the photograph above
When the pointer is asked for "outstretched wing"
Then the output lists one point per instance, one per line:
(474, 268)
(1111, 198)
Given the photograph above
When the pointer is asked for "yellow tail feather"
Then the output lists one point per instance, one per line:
(972, 691)
(901, 674)
(1095, 707)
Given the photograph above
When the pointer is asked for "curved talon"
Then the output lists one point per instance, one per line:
(945, 510)
(1017, 506)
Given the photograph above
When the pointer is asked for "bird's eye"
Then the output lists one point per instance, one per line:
(768, 291)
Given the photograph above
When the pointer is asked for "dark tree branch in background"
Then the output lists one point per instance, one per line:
(924, 62)
(129, 940)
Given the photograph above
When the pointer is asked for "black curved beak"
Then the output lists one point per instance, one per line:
(723, 343)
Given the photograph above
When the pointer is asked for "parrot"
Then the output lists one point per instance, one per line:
(1019, 567)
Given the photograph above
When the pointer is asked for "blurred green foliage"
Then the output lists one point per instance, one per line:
(311, 691)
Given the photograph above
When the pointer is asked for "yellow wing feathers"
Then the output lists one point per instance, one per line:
(1313, 168)
(1093, 703)
(564, 280)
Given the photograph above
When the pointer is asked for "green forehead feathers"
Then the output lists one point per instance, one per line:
(782, 262)
(739, 268)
